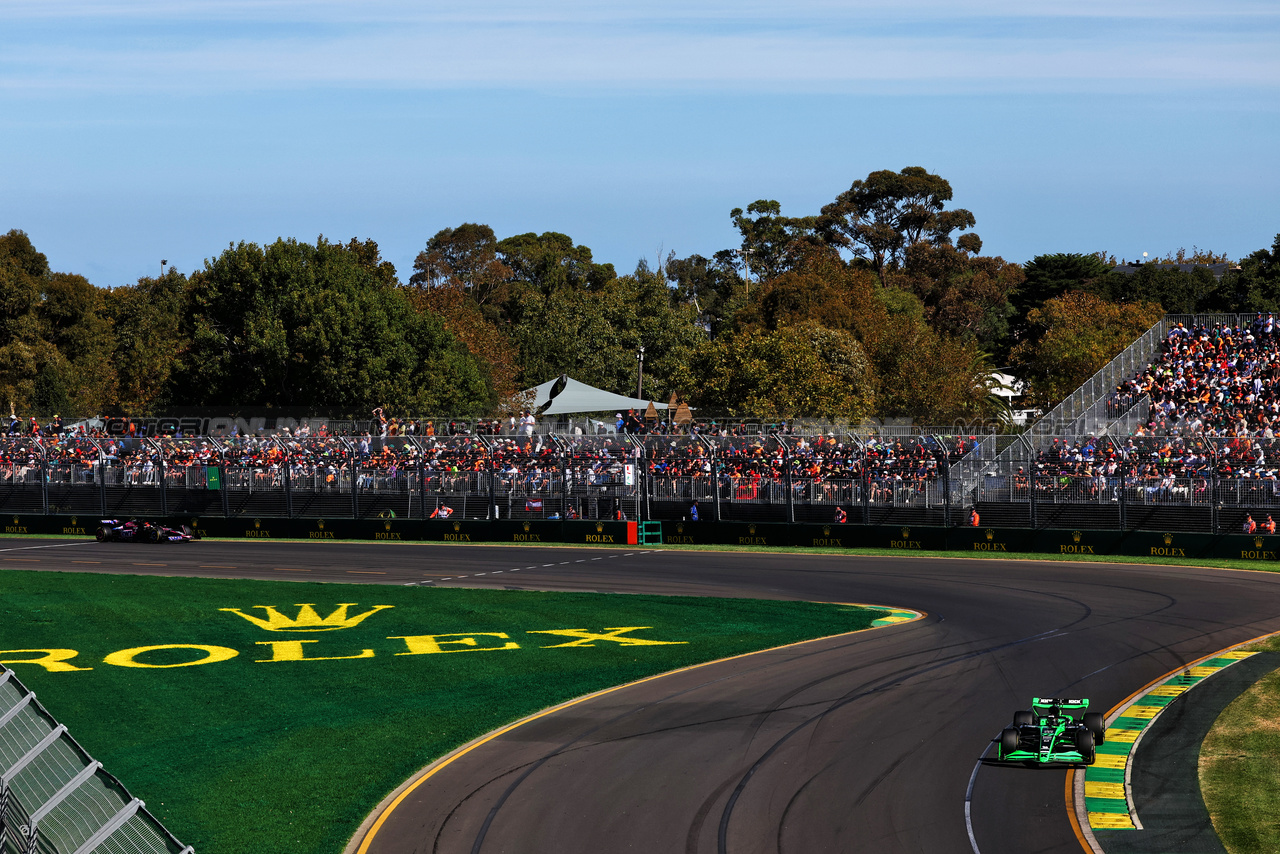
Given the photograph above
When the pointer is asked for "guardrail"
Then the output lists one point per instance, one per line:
(55, 798)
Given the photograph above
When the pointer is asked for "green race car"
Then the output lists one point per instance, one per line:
(1048, 733)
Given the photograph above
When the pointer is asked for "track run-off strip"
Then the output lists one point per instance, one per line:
(363, 839)
(1100, 796)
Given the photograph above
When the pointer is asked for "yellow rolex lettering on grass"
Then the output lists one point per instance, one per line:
(293, 651)
(432, 644)
(307, 620)
(211, 655)
(586, 638)
(52, 660)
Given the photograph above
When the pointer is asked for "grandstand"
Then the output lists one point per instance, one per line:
(1178, 432)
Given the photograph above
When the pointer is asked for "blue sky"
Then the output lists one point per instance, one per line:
(132, 131)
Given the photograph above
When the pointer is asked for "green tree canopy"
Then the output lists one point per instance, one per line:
(465, 257)
(771, 242)
(305, 325)
(804, 370)
(152, 340)
(593, 336)
(963, 295)
(1075, 335)
(1049, 276)
(711, 285)
(880, 217)
(551, 262)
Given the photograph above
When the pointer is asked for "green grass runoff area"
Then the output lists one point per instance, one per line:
(251, 735)
(1240, 767)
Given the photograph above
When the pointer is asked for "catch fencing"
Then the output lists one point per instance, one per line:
(753, 477)
(1032, 480)
(55, 798)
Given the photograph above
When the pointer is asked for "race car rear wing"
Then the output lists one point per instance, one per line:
(1060, 702)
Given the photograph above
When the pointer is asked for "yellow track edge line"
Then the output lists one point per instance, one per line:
(1077, 811)
(369, 828)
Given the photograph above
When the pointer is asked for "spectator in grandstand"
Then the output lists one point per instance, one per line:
(1214, 380)
(841, 516)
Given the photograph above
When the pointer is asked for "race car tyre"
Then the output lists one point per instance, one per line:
(1008, 741)
(102, 534)
(1024, 718)
(153, 535)
(1085, 745)
(1097, 725)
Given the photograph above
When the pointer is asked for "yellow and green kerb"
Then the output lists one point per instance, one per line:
(1106, 794)
(895, 615)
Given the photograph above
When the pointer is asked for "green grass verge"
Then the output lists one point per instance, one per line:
(262, 755)
(1240, 768)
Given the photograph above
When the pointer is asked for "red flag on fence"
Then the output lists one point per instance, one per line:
(533, 504)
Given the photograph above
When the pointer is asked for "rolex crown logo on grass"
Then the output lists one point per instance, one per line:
(307, 620)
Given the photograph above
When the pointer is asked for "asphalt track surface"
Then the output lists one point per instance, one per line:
(862, 743)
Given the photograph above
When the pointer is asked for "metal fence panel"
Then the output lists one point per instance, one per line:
(54, 798)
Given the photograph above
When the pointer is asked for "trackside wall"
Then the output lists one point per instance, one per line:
(905, 538)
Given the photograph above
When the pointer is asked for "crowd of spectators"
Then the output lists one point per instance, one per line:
(1163, 468)
(738, 459)
(1216, 380)
(821, 467)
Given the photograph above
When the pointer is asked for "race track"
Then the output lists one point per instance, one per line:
(866, 742)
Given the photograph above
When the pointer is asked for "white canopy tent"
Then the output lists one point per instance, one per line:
(563, 396)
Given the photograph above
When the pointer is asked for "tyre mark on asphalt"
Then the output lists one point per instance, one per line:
(567, 747)
(722, 840)
(874, 687)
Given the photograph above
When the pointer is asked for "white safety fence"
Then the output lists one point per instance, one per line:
(55, 798)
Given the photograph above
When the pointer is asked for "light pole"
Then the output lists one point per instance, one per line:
(163, 261)
(640, 373)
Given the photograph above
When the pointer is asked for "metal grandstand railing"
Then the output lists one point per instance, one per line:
(55, 798)
(1071, 415)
